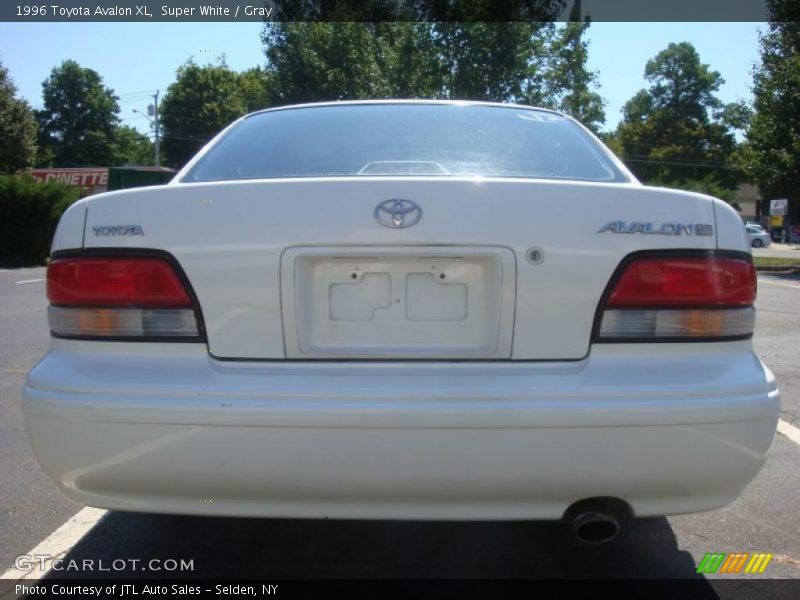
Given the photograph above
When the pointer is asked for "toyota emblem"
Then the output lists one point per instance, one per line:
(398, 213)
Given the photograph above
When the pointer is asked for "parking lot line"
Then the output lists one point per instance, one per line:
(31, 280)
(59, 543)
(790, 431)
(56, 545)
(764, 280)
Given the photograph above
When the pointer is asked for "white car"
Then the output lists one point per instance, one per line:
(757, 237)
(367, 310)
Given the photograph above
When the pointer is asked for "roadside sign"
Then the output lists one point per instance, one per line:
(776, 221)
(778, 207)
(79, 177)
(90, 180)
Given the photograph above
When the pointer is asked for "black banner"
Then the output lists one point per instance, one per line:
(379, 10)
(652, 589)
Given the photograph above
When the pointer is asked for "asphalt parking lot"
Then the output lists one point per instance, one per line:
(764, 519)
(778, 250)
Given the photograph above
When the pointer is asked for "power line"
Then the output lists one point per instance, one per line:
(103, 143)
(140, 93)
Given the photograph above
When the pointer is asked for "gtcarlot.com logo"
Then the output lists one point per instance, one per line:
(734, 562)
(44, 562)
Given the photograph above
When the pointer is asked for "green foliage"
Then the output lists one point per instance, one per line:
(493, 61)
(474, 49)
(677, 130)
(129, 147)
(771, 153)
(17, 128)
(202, 101)
(681, 83)
(254, 86)
(29, 213)
(406, 56)
(707, 185)
(326, 61)
(570, 82)
(736, 115)
(79, 118)
(610, 139)
(527, 62)
(496, 61)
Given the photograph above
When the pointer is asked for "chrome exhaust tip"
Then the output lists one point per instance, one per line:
(595, 527)
(597, 520)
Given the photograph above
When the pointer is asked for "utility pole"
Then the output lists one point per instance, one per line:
(152, 116)
(153, 111)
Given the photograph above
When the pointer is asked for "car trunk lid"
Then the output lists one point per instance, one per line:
(525, 262)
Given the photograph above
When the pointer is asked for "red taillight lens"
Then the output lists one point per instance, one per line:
(120, 298)
(680, 282)
(657, 298)
(115, 282)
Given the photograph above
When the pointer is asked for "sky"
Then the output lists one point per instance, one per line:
(136, 59)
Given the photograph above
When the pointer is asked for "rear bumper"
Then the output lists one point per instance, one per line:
(166, 428)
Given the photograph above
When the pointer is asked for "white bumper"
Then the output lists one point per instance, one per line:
(166, 428)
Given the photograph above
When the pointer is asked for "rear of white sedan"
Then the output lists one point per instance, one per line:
(370, 310)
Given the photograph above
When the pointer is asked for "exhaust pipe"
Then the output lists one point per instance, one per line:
(595, 527)
(597, 520)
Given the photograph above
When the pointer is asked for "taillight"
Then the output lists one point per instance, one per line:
(119, 297)
(680, 297)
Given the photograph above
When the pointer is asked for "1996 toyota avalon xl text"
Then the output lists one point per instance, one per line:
(369, 310)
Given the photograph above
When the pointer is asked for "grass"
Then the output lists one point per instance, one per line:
(768, 261)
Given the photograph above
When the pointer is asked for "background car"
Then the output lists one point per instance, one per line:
(757, 237)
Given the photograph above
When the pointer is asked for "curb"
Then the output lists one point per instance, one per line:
(788, 269)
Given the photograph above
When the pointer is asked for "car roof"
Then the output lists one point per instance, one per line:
(404, 101)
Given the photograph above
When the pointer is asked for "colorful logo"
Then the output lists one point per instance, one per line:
(734, 562)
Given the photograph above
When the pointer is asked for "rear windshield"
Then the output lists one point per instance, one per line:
(405, 139)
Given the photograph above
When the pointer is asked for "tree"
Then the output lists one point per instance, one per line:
(475, 49)
(673, 132)
(79, 118)
(202, 101)
(771, 153)
(494, 61)
(570, 81)
(256, 89)
(318, 61)
(17, 128)
(130, 147)
(498, 61)
(407, 56)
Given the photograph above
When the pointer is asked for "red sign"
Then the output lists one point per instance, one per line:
(76, 177)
